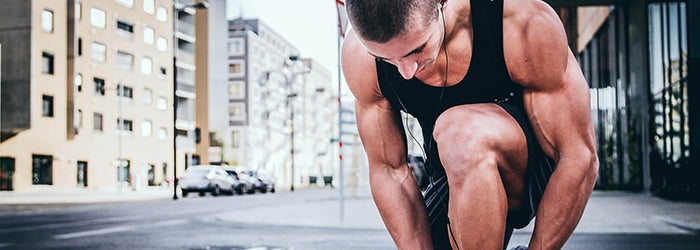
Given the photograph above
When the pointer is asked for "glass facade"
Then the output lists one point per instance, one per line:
(637, 67)
(605, 65)
(668, 63)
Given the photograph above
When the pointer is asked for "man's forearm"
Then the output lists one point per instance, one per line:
(401, 207)
(563, 203)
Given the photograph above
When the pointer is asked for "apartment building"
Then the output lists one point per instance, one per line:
(282, 108)
(87, 93)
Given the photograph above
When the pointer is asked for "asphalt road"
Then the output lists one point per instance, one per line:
(194, 223)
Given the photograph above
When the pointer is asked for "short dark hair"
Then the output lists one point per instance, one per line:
(382, 20)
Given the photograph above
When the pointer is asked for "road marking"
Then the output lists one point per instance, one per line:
(118, 229)
(169, 223)
(5, 244)
(68, 224)
(93, 232)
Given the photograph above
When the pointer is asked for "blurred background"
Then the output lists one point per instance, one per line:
(124, 97)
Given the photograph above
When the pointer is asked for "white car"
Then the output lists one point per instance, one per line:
(206, 179)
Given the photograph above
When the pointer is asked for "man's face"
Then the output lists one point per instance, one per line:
(414, 50)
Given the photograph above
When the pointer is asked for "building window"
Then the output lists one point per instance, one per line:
(125, 125)
(162, 14)
(236, 90)
(97, 18)
(47, 21)
(162, 103)
(148, 6)
(146, 128)
(80, 46)
(47, 106)
(78, 81)
(7, 173)
(78, 119)
(97, 122)
(147, 96)
(125, 61)
(234, 68)
(162, 134)
(125, 28)
(235, 46)
(98, 52)
(668, 64)
(78, 10)
(146, 66)
(41, 169)
(47, 63)
(162, 43)
(127, 3)
(123, 170)
(148, 35)
(99, 86)
(125, 91)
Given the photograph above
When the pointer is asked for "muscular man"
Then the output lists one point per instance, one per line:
(505, 113)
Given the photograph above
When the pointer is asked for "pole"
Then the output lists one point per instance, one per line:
(175, 20)
(340, 134)
(291, 116)
(120, 93)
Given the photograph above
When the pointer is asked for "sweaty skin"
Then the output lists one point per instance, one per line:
(556, 99)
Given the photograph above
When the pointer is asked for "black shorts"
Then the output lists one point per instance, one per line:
(539, 169)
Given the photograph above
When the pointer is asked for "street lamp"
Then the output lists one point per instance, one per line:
(176, 19)
(290, 95)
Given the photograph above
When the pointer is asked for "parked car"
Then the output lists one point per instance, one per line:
(263, 182)
(204, 179)
(243, 185)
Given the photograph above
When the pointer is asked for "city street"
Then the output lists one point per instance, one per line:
(261, 221)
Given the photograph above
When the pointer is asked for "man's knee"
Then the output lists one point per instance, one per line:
(465, 142)
(459, 128)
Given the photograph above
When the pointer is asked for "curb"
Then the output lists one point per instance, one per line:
(685, 225)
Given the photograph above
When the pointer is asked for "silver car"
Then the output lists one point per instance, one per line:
(206, 179)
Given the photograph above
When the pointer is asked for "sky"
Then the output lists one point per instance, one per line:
(310, 25)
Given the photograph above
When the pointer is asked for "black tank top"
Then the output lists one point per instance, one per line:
(487, 79)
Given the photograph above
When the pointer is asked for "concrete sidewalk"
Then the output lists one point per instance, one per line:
(606, 212)
(42, 196)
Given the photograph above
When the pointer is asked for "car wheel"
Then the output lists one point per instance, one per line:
(216, 191)
(272, 190)
(202, 193)
(184, 193)
(263, 190)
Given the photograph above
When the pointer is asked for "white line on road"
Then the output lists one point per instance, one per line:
(5, 244)
(169, 223)
(118, 229)
(93, 232)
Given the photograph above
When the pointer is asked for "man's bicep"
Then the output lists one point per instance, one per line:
(381, 133)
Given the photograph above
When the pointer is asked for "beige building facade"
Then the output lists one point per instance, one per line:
(90, 64)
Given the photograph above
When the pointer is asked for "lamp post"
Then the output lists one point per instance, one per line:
(290, 95)
(176, 19)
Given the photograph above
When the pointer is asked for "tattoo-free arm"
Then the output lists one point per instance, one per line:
(557, 100)
(393, 186)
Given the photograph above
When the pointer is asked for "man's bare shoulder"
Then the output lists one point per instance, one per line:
(535, 45)
(359, 69)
